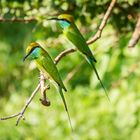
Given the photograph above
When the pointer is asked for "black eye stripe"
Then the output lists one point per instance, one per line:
(33, 49)
(65, 20)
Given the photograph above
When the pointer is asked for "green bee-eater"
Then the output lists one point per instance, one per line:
(73, 34)
(45, 63)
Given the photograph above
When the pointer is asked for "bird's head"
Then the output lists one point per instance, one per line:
(33, 51)
(65, 20)
(66, 17)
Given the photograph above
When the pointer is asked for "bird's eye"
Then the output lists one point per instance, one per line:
(65, 20)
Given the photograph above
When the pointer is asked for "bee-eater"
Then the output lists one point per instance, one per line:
(45, 63)
(73, 34)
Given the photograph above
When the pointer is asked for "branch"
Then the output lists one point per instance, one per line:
(44, 99)
(21, 113)
(136, 35)
(14, 19)
(27, 104)
(64, 53)
(103, 23)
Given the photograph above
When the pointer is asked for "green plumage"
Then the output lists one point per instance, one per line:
(46, 65)
(73, 34)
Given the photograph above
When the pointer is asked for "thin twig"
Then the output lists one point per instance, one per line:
(103, 23)
(136, 35)
(10, 117)
(64, 53)
(14, 19)
(44, 99)
(21, 115)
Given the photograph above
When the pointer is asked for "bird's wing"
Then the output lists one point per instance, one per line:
(74, 35)
(49, 67)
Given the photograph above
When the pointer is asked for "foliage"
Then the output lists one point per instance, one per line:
(93, 117)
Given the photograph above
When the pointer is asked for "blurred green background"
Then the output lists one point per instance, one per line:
(93, 117)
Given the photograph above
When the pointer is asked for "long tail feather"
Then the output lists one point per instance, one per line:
(65, 105)
(91, 62)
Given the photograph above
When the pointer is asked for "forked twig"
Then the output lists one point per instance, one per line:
(21, 114)
(44, 99)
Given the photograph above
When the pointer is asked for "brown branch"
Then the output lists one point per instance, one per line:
(14, 19)
(27, 103)
(136, 35)
(21, 113)
(44, 100)
(9, 117)
(64, 53)
(103, 23)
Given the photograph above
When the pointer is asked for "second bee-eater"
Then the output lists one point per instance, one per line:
(73, 34)
(45, 63)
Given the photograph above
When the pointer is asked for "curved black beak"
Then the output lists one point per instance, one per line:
(26, 56)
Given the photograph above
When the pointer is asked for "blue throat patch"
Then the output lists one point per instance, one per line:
(64, 24)
(36, 53)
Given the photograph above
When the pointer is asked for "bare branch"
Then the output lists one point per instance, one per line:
(103, 23)
(10, 117)
(64, 53)
(44, 99)
(14, 19)
(21, 115)
(136, 35)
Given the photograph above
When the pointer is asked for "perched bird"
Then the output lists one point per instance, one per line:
(45, 63)
(73, 34)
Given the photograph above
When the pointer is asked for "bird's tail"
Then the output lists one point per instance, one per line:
(65, 105)
(92, 64)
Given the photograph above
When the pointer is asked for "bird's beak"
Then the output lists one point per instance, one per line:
(54, 18)
(26, 56)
